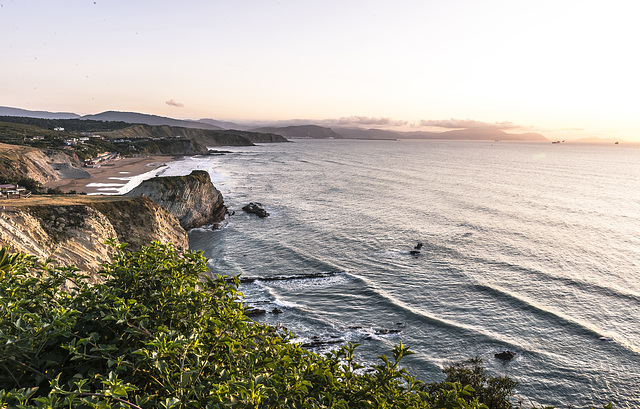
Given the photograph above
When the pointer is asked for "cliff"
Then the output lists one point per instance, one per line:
(193, 199)
(22, 162)
(205, 137)
(73, 230)
(170, 146)
(18, 162)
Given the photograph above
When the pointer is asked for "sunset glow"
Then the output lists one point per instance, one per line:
(565, 69)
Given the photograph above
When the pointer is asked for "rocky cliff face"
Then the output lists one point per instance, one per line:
(140, 220)
(193, 199)
(76, 234)
(20, 161)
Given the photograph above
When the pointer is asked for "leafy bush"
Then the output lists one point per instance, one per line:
(159, 333)
(492, 391)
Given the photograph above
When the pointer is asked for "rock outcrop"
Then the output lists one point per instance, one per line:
(257, 209)
(193, 199)
(505, 355)
(76, 234)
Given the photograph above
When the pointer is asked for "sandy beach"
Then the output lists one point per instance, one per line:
(108, 179)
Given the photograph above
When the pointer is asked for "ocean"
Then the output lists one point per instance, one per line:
(527, 247)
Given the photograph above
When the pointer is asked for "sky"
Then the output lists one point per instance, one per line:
(567, 69)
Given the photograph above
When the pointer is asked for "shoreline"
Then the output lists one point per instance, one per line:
(106, 180)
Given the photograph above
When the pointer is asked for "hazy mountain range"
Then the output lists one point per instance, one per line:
(309, 130)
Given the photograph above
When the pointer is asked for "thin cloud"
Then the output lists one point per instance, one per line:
(454, 123)
(173, 103)
(365, 120)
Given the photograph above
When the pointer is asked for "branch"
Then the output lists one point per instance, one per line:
(31, 369)
(108, 397)
(144, 331)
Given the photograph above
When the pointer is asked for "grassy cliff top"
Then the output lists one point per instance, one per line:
(62, 200)
(172, 182)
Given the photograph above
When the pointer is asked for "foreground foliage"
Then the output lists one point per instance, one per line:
(492, 391)
(155, 335)
(158, 333)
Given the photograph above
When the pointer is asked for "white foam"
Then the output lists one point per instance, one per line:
(286, 304)
(274, 295)
(105, 185)
(136, 180)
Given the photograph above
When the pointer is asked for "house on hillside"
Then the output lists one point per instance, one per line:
(11, 191)
(101, 159)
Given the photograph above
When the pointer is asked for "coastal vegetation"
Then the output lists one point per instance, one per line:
(160, 331)
(87, 138)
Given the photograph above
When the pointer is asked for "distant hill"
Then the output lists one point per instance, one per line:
(475, 134)
(301, 131)
(358, 133)
(469, 134)
(137, 118)
(205, 137)
(224, 124)
(8, 111)
(118, 120)
(70, 125)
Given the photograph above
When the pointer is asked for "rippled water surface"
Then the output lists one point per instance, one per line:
(533, 248)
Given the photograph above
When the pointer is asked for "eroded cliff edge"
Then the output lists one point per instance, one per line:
(74, 231)
(193, 199)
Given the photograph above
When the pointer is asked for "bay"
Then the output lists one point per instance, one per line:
(528, 247)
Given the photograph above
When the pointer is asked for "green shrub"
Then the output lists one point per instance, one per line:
(159, 333)
(492, 391)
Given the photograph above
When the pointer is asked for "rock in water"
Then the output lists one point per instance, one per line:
(192, 199)
(505, 355)
(254, 312)
(256, 208)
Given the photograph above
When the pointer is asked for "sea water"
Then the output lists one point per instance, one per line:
(527, 247)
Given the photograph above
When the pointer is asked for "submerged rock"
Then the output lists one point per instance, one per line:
(383, 331)
(317, 342)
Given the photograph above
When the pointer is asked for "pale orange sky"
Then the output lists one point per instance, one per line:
(564, 68)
